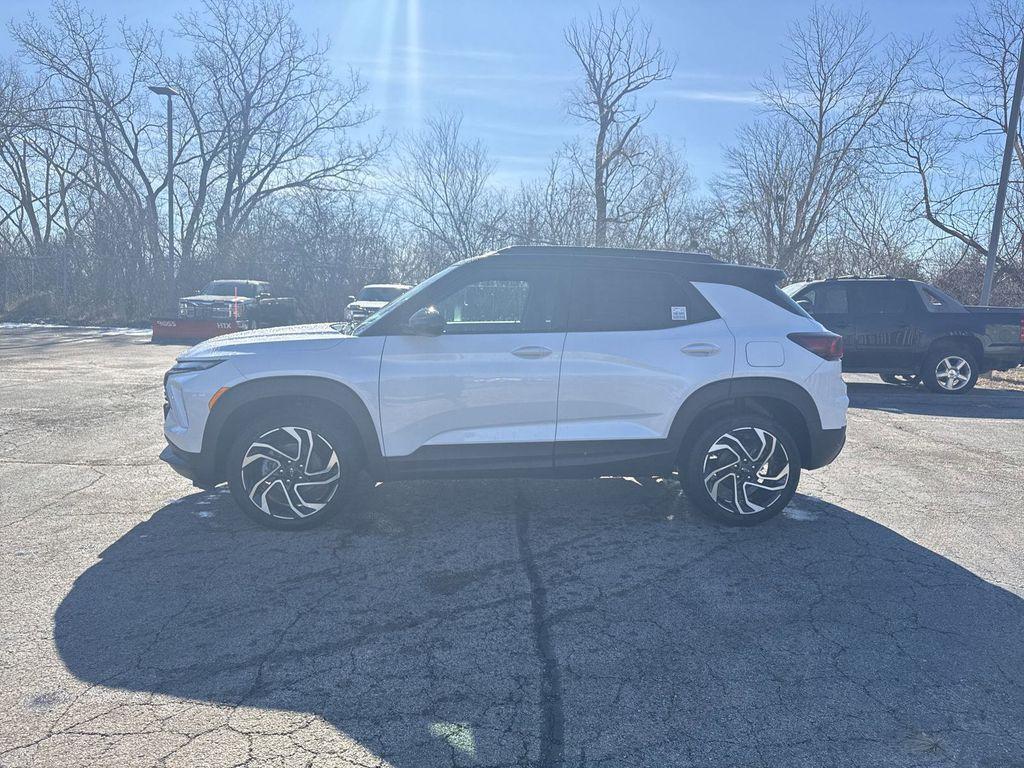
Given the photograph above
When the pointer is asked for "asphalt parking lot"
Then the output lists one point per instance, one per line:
(879, 622)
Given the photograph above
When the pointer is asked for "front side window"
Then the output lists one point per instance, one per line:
(827, 299)
(613, 300)
(521, 302)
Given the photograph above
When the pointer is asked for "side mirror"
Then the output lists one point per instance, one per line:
(351, 299)
(427, 322)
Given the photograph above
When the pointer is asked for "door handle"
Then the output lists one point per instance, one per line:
(531, 353)
(701, 349)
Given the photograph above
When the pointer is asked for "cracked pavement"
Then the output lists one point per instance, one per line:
(879, 622)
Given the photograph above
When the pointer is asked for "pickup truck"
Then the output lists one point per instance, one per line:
(224, 306)
(251, 301)
(910, 332)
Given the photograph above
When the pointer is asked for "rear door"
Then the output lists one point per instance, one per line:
(638, 344)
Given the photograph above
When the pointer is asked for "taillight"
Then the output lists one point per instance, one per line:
(827, 346)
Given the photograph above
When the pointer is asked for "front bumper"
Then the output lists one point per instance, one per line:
(185, 464)
(825, 446)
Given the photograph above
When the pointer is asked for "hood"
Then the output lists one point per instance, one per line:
(314, 337)
(368, 304)
(213, 299)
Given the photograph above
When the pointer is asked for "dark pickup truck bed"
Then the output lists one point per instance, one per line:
(909, 331)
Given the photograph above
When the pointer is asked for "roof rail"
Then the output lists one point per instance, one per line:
(697, 258)
(866, 277)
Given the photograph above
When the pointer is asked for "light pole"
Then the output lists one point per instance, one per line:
(166, 90)
(1004, 176)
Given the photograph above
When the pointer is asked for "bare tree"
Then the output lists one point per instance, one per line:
(442, 181)
(267, 114)
(791, 169)
(99, 110)
(619, 57)
(552, 210)
(948, 137)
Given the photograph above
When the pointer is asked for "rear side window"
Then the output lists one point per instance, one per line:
(880, 298)
(937, 301)
(623, 300)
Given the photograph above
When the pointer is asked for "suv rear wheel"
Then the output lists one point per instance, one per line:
(292, 469)
(949, 370)
(742, 470)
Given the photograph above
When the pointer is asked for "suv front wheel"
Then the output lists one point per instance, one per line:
(742, 470)
(292, 470)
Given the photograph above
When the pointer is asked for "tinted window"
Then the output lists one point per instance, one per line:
(633, 300)
(827, 299)
(880, 298)
(525, 302)
(379, 293)
(232, 288)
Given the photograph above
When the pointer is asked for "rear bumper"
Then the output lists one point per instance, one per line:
(186, 464)
(825, 446)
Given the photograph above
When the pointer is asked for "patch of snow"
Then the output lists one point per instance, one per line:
(105, 330)
(800, 514)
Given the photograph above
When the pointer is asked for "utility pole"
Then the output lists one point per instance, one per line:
(166, 90)
(1004, 177)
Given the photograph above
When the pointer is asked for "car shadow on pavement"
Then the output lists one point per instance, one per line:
(560, 623)
(976, 404)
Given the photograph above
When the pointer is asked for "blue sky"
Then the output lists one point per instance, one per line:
(505, 66)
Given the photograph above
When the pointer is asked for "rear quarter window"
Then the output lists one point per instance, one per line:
(626, 300)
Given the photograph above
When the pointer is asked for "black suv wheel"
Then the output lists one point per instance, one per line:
(949, 370)
(742, 470)
(292, 470)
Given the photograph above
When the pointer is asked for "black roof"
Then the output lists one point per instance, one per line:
(696, 266)
(576, 252)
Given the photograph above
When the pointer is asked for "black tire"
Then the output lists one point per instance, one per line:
(715, 495)
(293, 495)
(900, 379)
(940, 360)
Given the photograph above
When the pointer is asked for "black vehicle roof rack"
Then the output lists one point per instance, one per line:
(866, 277)
(586, 251)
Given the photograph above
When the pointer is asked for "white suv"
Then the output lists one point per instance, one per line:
(530, 361)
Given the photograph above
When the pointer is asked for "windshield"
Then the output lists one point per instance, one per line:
(379, 293)
(229, 288)
(400, 301)
(794, 289)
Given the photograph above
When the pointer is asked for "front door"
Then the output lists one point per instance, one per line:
(484, 392)
(829, 303)
(881, 324)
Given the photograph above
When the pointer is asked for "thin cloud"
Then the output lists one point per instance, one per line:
(720, 96)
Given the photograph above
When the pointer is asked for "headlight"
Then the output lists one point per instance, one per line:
(191, 366)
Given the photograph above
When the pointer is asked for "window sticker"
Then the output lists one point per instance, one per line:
(678, 313)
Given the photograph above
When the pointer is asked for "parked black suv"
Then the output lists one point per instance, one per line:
(909, 331)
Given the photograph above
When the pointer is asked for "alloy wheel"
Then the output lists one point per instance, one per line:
(746, 470)
(290, 472)
(953, 373)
